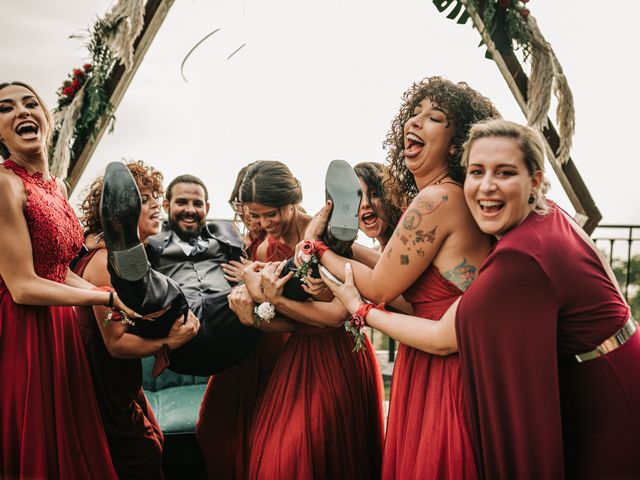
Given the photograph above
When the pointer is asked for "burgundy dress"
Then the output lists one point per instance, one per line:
(427, 432)
(321, 416)
(232, 398)
(541, 297)
(134, 436)
(50, 424)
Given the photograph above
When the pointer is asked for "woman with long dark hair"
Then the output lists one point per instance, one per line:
(377, 216)
(321, 414)
(50, 426)
(233, 397)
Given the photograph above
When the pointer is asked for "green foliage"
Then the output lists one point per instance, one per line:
(96, 107)
(620, 270)
(506, 21)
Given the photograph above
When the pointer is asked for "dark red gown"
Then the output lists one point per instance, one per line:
(321, 416)
(427, 428)
(134, 436)
(50, 424)
(542, 296)
(232, 398)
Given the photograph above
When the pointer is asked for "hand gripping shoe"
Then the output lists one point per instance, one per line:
(343, 189)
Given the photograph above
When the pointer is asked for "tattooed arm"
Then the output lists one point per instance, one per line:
(417, 240)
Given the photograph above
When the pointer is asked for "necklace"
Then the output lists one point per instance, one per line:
(442, 174)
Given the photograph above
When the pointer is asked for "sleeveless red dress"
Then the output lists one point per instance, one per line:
(427, 432)
(134, 436)
(50, 425)
(321, 416)
(232, 398)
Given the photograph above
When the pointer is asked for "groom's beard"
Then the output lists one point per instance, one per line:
(182, 233)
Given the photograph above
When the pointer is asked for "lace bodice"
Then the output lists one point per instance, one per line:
(56, 235)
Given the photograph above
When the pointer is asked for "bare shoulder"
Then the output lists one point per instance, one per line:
(435, 200)
(11, 189)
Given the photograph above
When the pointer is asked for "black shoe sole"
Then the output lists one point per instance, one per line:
(343, 189)
(120, 208)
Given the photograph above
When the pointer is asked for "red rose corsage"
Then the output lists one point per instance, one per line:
(356, 324)
(310, 254)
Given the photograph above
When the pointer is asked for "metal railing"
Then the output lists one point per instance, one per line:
(621, 246)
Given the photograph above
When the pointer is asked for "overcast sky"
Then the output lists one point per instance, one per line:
(323, 80)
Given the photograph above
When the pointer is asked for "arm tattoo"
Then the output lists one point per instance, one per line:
(404, 259)
(461, 276)
(429, 236)
(430, 206)
(411, 219)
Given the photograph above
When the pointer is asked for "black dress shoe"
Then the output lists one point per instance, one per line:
(141, 288)
(120, 207)
(343, 189)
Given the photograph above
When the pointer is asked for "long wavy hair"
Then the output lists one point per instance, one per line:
(463, 107)
(144, 175)
(374, 175)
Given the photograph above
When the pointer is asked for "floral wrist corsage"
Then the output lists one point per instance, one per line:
(115, 315)
(265, 312)
(309, 255)
(356, 324)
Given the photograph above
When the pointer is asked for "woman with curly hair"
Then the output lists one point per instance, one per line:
(549, 348)
(134, 436)
(432, 257)
(377, 217)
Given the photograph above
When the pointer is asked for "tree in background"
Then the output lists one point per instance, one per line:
(620, 270)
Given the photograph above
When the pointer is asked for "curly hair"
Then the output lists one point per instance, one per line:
(463, 107)
(374, 175)
(145, 176)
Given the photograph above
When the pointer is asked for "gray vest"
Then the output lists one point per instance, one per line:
(195, 274)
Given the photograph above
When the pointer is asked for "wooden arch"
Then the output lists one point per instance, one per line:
(587, 213)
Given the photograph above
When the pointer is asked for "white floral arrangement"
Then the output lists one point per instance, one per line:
(265, 312)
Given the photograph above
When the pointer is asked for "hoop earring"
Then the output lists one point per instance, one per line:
(531, 199)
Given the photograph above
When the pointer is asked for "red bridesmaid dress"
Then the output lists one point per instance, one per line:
(134, 436)
(427, 432)
(232, 398)
(321, 416)
(50, 425)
